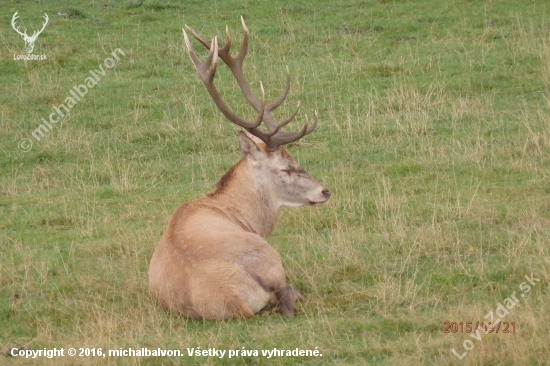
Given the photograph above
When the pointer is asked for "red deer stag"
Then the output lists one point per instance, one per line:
(213, 261)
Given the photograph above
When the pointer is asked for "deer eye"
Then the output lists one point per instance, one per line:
(287, 171)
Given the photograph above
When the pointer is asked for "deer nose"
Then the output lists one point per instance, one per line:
(326, 193)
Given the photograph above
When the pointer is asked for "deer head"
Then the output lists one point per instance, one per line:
(272, 167)
(29, 41)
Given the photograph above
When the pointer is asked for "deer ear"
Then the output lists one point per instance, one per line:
(249, 147)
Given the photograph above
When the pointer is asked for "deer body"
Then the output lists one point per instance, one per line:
(213, 261)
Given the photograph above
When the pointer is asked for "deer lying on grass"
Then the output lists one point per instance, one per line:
(213, 261)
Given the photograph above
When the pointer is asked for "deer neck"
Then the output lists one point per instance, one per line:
(245, 201)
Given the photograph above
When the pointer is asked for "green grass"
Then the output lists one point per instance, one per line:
(434, 139)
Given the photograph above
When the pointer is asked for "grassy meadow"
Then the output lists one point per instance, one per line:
(433, 137)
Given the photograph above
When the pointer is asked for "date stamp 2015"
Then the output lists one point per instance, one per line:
(485, 327)
(494, 324)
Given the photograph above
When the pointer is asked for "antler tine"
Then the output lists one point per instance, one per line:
(286, 121)
(207, 71)
(314, 124)
(190, 51)
(227, 46)
(275, 137)
(272, 125)
(283, 95)
(244, 45)
(212, 59)
(198, 37)
(283, 138)
(235, 64)
(222, 52)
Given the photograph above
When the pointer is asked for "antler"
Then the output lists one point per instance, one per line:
(274, 137)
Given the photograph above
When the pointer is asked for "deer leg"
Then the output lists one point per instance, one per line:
(286, 300)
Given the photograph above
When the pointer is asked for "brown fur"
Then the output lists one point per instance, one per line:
(213, 261)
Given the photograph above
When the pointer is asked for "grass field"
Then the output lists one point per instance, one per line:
(434, 138)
